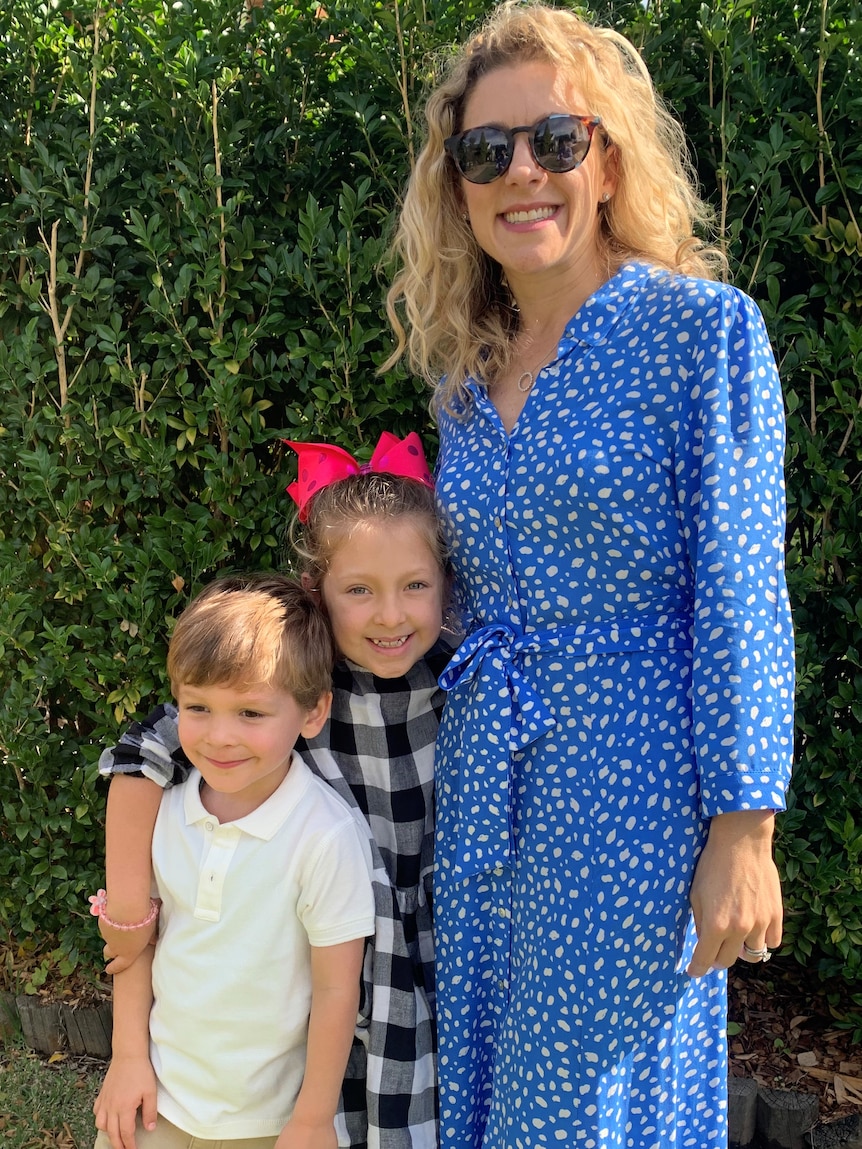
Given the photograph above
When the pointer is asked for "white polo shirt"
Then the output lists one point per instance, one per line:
(241, 905)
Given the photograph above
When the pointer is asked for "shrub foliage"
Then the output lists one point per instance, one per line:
(194, 203)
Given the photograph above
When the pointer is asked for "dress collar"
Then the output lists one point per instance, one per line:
(594, 322)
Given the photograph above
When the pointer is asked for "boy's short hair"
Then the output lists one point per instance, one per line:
(242, 630)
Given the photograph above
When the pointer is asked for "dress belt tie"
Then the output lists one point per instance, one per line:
(503, 712)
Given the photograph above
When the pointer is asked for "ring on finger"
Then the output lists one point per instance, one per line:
(761, 955)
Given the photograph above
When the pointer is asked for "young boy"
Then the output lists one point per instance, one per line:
(238, 1024)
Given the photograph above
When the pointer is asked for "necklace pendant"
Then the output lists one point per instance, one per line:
(525, 382)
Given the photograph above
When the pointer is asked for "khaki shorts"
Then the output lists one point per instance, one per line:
(167, 1136)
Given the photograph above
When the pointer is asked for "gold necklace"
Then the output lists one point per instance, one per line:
(527, 378)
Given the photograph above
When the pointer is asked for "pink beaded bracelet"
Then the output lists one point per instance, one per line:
(99, 909)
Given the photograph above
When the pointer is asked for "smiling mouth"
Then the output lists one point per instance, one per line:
(389, 643)
(532, 216)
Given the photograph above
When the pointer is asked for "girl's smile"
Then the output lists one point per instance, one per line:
(383, 592)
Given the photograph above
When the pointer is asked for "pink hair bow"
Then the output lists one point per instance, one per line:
(321, 464)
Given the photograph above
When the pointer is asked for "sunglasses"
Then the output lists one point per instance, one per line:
(558, 143)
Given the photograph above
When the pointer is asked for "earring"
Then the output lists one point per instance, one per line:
(605, 197)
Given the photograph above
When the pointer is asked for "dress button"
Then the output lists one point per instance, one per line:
(209, 826)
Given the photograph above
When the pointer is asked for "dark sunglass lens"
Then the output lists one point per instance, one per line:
(482, 154)
(561, 143)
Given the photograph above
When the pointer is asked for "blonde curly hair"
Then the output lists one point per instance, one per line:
(449, 304)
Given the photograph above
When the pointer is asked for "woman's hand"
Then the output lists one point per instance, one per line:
(735, 893)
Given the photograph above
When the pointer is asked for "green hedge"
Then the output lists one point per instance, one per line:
(194, 202)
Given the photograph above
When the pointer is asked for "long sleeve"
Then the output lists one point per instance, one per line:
(730, 482)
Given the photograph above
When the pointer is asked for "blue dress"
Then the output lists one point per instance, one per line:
(627, 674)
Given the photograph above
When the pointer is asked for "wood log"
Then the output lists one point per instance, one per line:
(8, 1014)
(784, 1117)
(40, 1024)
(88, 1029)
(741, 1111)
(843, 1133)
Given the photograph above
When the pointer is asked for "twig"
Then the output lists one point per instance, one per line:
(222, 246)
(818, 97)
(51, 305)
(851, 424)
(402, 84)
(812, 397)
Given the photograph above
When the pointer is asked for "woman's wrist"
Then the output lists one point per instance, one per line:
(752, 825)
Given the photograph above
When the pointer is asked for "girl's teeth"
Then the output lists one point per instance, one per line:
(389, 644)
(529, 216)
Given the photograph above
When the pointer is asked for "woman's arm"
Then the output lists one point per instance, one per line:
(335, 974)
(731, 497)
(735, 894)
(130, 1083)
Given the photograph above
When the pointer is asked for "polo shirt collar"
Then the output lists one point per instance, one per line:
(268, 818)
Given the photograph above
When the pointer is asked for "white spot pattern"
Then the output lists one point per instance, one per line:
(628, 674)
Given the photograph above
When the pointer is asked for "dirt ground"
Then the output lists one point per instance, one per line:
(782, 1033)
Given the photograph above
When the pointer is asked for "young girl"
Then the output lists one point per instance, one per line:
(371, 548)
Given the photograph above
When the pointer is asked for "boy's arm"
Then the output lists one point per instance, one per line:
(130, 1083)
(133, 804)
(335, 972)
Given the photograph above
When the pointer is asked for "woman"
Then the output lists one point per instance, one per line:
(618, 729)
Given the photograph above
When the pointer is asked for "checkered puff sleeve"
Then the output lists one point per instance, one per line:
(149, 749)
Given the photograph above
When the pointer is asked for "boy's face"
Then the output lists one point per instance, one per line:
(383, 593)
(242, 740)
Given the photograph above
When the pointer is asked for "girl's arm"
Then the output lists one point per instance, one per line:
(335, 974)
(130, 1083)
(147, 758)
(133, 804)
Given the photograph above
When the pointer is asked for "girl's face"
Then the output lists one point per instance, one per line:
(536, 223)
(383, 593)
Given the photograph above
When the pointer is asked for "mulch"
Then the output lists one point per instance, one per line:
(784, 1034)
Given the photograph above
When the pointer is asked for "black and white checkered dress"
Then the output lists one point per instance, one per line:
(377, 751)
